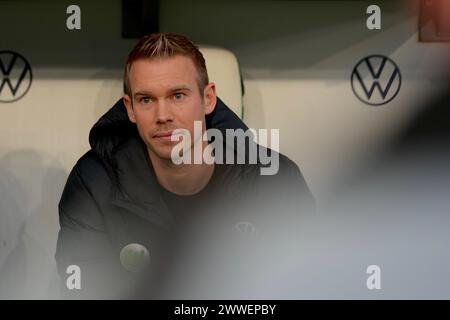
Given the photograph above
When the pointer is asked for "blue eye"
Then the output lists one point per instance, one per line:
(178, 96)
(145, 100)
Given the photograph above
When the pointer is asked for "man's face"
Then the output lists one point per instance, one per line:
(165, 97)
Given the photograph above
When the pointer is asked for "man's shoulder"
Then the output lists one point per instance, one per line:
(275, 165)
(287, 165)
(284, 174)
(279, 172)
(90, 165)
(86, 191)
(92, 172)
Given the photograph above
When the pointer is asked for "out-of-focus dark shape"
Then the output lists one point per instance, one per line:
(434, 22)
(429, 130)
(139, 17)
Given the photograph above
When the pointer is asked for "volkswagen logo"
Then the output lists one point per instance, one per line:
(245, 228)
(376, 80)
(15, 76)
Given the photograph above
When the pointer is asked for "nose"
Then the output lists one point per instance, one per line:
(163, 112)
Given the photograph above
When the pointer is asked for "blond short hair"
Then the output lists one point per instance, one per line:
(167, 44)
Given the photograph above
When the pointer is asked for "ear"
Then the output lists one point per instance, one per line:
(129, 106)
(210, 98)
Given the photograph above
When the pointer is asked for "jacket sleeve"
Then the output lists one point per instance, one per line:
(83, 240)
(288, 199)
(300, 194)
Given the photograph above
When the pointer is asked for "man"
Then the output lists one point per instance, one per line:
(126, 203)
